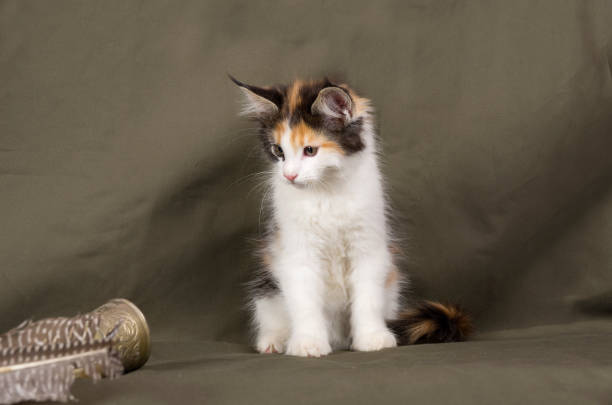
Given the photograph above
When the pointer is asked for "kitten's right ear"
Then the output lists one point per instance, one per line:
(260, 103)
(335, 105)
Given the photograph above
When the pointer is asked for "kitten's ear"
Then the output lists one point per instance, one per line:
(260, 103)
(335, 105)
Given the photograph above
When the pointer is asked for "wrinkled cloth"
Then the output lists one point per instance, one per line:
(125, 172)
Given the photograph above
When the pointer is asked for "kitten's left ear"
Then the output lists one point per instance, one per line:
(260, 103)
(335, 105)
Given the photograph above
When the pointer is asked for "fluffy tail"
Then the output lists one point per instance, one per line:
(431, 322)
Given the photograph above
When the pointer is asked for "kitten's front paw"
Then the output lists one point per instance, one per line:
(270, 344)
(308, 346)
(378, 340)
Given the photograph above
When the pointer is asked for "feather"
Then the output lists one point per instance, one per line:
(40, 360)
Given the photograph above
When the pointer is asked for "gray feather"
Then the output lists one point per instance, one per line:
(38, 360)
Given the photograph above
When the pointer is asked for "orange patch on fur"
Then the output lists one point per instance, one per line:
(394, 249)
(420, 329)
(298, 134)
(266, 259)
(302, 135)
(448, 310)
(392, 277)
(332, 145)
(361, 105)
(294, 95)
(277, 132)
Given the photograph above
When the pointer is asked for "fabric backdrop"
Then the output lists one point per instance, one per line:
(124, 172)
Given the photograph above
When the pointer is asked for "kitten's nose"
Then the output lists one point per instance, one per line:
(290, 177)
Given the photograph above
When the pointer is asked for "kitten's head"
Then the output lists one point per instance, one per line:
(310, 130)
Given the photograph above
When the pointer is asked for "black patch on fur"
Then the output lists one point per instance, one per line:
(450, 324)
(308, 94)
(266, 141)
(272, 94)
(348, 137)
(262, 285)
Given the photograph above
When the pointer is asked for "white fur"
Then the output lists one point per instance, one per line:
(255, 106)
(331, 257)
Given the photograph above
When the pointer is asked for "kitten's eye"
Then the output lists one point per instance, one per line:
(310, 150)
(278, 151)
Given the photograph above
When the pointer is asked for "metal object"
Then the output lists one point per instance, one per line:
(39, 360)
(132, 339)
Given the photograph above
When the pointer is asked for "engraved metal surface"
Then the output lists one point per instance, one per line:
(132, 338)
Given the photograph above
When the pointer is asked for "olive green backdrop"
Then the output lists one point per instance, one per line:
(124, 172)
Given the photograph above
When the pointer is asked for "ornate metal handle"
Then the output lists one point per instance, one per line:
(133, 338)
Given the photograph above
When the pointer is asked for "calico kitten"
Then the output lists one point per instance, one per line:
(328, 278)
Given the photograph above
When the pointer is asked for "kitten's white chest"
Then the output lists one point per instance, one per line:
(332, 224)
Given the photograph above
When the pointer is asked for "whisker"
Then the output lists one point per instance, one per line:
(257, 187)
(261, 205)
(249, 177)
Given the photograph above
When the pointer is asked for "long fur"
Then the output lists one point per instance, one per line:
(431, 322)
(328, 278)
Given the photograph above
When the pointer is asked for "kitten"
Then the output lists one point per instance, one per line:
(328, 279)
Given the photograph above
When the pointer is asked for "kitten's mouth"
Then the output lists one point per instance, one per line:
(296, 184)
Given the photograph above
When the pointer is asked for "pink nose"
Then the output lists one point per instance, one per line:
(290, 177)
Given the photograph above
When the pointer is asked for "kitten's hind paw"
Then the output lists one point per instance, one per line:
(378, 340)
(308, 346)
(270, 345)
